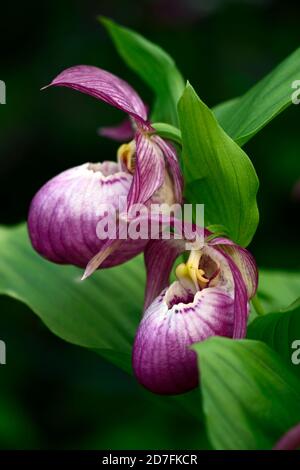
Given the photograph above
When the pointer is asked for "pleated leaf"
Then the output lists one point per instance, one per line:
(99, 313)
(218, 173)
(281, 331)
(250, 397)
(243, 117)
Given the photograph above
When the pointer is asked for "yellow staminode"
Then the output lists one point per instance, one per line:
(190, 271)
(126, 154)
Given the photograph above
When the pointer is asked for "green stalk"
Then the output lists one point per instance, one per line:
(258, 306)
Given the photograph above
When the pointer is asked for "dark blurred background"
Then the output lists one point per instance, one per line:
(54, 395)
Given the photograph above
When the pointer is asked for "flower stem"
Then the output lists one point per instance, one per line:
(258, 306)
(168, 132)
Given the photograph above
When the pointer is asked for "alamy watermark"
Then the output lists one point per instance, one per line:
(2, 353)
(152, 222)
(295, 357)
(2, 92)
(296, 94)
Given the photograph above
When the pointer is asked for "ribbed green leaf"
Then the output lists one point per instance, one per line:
(153, 65)
(277, 289)
(243, 117)
(100, 313)
(281, 331)
(217, 171)
(250, 397)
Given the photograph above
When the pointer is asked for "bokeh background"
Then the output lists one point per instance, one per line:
(55, 395)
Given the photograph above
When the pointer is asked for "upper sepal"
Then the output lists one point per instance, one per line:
(104, 86)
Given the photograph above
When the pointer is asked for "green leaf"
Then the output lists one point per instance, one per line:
(280, 330)
(250, 397)
(217, 171)
(243, 117)
(277, 289)
(100, 313)
(222, 111)
(168, 132)
(153, 65)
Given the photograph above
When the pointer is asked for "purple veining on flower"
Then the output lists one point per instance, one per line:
(64, 214)
(290, 440)
(106, 87)
(149, 158)
(149, 162)
(210, 297)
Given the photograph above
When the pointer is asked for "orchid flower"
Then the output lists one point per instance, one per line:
(148, 157)
(63, 215)
(210, 297)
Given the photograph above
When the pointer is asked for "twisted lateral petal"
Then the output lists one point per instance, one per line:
(104, 86)
(111, 245)
(149, 170)
(107, 249)
(163, 361)
(122, 132)
(65, 212)
(171, 157)
(240, 300)
(243, 260)
(160, 256)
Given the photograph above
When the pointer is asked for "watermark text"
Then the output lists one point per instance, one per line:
(295, 357)
(296, 93)
(2, 92)
(2, 353)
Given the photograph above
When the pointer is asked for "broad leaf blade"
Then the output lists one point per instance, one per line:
(250, 398)
(99, 313)
(243, 117)
(277, 289)
(102, 313)
(279, 330)
(217, 171)
(153, 65)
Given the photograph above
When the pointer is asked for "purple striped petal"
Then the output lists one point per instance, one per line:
(160, 256)
(163, 361)
(171, 157)
(108, 248)
(111, 245)
(104, 86)
(241, 308)
(149, 170)
(64, 214)
(290, 440)
(121, 133)
(243, 260)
